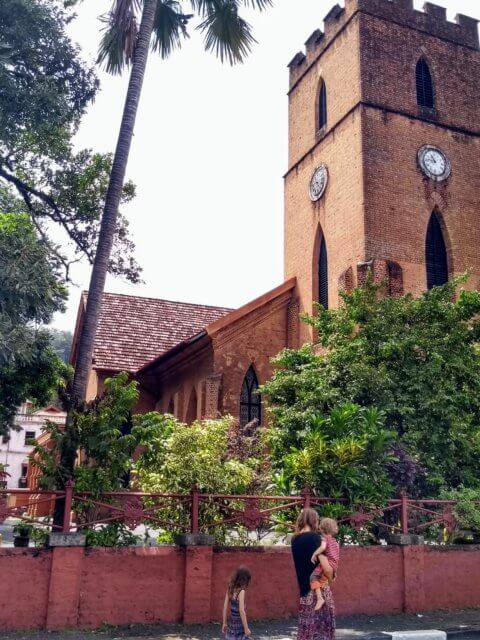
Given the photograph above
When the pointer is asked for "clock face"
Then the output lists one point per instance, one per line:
(434, 163)
(318, 182)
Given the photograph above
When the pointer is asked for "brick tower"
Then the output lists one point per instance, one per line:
(384, 151)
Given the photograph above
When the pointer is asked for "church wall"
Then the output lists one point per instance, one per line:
(389, 54)
(339, 66)
(339, 214)
(254, 339)
(399, 198)
(179, 383)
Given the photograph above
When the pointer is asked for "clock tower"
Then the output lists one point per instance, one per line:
(384, 152)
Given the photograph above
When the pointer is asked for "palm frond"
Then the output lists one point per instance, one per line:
(260, 5)
(225, 32)
(203, 7)
(170, 27)
(120, 35)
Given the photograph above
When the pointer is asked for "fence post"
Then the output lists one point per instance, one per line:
(306, 498)
(404, 513)
(194, 510)
(68, 506)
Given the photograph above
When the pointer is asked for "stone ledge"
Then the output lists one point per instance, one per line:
(404, 540)
(194, 540)
(66, 539)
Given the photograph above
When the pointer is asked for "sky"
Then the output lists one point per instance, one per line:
(208, 156)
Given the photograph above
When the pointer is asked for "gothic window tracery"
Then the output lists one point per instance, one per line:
(435, 254)
(424, 82)
(323, 274)
(322, 106)
(250, 399)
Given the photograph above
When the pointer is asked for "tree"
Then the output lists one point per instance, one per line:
(415, 359)
(342, 455)
(177, 457)
(61, 343)
(31, 294)
(45, 90)
(126, 42)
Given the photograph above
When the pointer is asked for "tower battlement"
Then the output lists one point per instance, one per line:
(432, 21)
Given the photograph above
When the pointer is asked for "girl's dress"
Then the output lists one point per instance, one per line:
(235, 626)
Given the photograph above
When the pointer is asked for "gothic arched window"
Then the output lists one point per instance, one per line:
(323, 274)
(250, 399)
(424, 85)
(435, 254)
(191, 414)
(322, 106)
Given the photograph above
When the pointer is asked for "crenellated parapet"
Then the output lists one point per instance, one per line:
(432, 20)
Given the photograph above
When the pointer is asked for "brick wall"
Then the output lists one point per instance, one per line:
(78, 588)
(378, 202)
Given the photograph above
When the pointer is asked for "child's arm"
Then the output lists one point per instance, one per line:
(225, 613)
(243, 614)
(319, 551)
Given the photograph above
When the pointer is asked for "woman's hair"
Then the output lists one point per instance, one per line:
(307, 518)
(239, 580)
(328, 526)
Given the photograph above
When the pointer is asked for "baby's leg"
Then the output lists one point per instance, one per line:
(320, 599)
(326, 567)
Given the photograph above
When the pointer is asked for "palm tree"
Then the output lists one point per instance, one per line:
(133, 27)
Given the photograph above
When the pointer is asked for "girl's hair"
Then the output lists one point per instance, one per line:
(239, 581)
(307, 518)
(328, 526)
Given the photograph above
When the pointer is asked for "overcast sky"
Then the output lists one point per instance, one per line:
(208, 156)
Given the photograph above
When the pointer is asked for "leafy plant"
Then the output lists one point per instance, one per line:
(341, 455)
(467, 508)
(111, 535)
(415, 360)
(200, 455)
(23, 529)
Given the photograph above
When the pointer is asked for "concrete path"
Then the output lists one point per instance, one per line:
(463, 625)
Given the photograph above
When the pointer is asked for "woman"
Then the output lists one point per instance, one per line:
(312, 625)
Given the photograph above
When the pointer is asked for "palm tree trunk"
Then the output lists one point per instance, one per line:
(107, 229)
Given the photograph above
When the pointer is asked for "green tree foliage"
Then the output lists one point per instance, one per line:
(45, 90)
(62, 343)
(414, 359)
(206, 455)
(182, 456)
(31, 293)
(106, 443)
(342, 455)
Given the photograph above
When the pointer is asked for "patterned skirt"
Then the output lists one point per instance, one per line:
(316, 625)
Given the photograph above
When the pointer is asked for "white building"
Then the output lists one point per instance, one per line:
(17, 446)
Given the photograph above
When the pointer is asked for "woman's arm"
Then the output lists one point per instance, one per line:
(326, 567)
(243, 615)
(225, 613)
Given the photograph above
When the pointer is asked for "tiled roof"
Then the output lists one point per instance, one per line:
(134, 330)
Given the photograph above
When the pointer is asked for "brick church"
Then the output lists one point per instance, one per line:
(384, 163)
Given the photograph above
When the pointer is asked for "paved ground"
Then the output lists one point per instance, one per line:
(464, 625)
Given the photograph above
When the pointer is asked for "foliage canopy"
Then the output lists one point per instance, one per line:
(414, 359)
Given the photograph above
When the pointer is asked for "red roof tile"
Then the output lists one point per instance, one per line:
(135, 330)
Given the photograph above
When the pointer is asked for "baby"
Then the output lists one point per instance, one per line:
(328, 552)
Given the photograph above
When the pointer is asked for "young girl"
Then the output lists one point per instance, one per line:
(328, 552)
(237, 627)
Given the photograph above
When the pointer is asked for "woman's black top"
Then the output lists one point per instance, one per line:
(303, 546)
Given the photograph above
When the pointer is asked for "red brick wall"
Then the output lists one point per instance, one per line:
(131, 585)
(24, 587)
(378, 203)
(87, 588)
